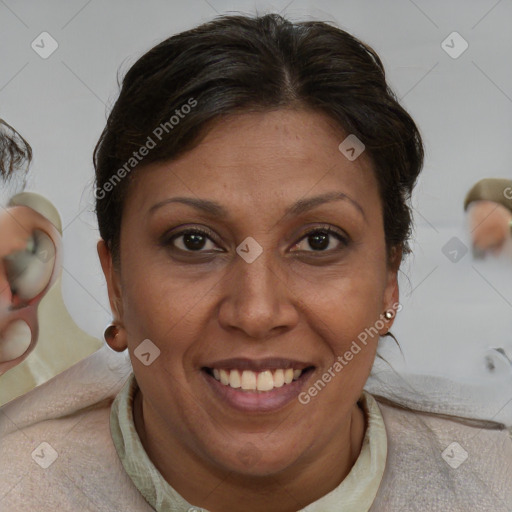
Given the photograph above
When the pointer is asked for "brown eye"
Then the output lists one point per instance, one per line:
(319, 239)
(191, 240)
(29, 270)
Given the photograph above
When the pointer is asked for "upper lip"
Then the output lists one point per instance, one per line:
(269, 363)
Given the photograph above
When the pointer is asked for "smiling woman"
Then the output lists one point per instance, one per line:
(251, 259)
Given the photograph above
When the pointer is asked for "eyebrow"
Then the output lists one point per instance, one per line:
(302, 205)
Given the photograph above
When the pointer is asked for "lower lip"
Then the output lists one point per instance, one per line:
(258, 401)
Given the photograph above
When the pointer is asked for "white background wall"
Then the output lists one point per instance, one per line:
(452, 311)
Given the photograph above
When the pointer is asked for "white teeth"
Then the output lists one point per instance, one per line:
(278, 378)
(224, 377)
(248, 380)
(234, 379)
(252, 381)
(265, 381)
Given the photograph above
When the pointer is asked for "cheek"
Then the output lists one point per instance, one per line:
(347, 308)
(345, 302)
(160, 304)
(163, 301)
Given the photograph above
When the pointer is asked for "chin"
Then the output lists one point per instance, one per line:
(251, 460)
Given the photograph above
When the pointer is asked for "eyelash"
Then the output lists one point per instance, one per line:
(327, 230)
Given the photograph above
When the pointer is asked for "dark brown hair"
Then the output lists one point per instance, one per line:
(239, 64)
(15, 151)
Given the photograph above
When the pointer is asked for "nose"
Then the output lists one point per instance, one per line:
(257, 299)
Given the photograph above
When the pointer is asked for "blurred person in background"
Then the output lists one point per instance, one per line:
(488, 205)
(30, 269)
(489, 208)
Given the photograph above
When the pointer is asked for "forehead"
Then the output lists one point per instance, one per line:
(258, 157)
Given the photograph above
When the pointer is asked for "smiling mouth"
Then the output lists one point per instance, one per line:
(262, 381)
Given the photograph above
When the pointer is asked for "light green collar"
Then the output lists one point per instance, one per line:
(355, 494)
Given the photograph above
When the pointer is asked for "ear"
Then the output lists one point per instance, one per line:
(119, 342)
(391, 293)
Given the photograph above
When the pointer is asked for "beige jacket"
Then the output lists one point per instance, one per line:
(56, 452)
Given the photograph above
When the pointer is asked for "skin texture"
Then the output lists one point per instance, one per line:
(489, 225)
(292, 302)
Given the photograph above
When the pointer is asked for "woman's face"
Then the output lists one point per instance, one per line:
(254, 287)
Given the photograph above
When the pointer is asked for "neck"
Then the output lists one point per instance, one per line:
(208, 486)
